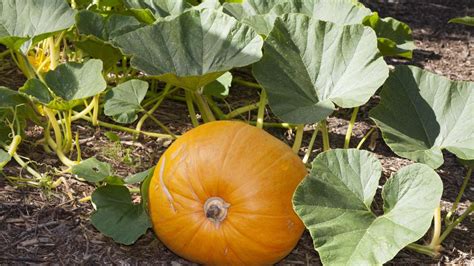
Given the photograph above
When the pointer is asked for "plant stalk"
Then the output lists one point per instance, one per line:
(347, 140)
(247, 83)
(261, 110)
(241, 110)
(450, 227)
(324, 131)
(435, 243)
(191, 110)
(298, 137)
(310, 146)
(366, 136)
(95, 111)
(206, 112)
(458, 198)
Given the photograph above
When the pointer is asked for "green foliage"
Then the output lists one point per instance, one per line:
(139, 177)
(466, 20)
(421, 113)
(219, 87)
(32, 21)
(116, 215)
(394, 37)
(335, 201)
(67, 85)
(92, 170)
(123, 102)
(310, 65)
(193, 49)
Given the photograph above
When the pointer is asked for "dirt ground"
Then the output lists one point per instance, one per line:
(41, 226)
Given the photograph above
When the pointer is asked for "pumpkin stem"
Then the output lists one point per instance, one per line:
(215, 209)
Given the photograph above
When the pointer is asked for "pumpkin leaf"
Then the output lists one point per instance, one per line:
(32, 21)
(139, 177)
(466, 20)
(125, 99)
(334, 202)
(193, 49)
(394, 37)
(96, 48)
(92, 170)
(37, 90)
(310, 65)
(10, 98)
(74, 81)
(160, 8)
(219, 87)
(4, 158)
(421, 113)
(116, 213)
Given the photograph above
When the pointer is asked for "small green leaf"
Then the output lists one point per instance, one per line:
(193, 49)
(310, 65)
(125, 99)
(220, 86)
(334, 201)
(100, 50)
(139, 177)
(74, 81)
(112, 136)
(467, 20)
(421, 113)
(4, 157)
(116, 215)
(394, 37)
(92, 170)
(114, 180)
(37, 90)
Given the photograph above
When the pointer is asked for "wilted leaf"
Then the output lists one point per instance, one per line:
(334, 201)
(421, 113)
(116, 215)
(310, 65)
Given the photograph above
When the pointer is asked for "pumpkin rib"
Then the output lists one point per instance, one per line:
(229, 247)
(230, 225)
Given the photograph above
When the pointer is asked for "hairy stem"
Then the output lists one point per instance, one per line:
(298, 137)
(324, 131)
(347, 140)
(458, 198)
(215, 108)
(450, 227)
(95, 111)
(310, 146)
(261, 109)
(366, 136)
(242, 110)
(191, 110)
(435, 240)
(201, 102)
(11, 149)
(247, 83)
(153, 109)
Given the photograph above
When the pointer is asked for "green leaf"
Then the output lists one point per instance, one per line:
(105, 28)
(116, 216)
(394, 37)
(421, 113)
(160, 8)
(74, 81)
(309, 65)
(125, 99)
(37, 90)
(21, 20)
(112, 136)
(139, 177)
(220, 86)
(95, 48)
(467, 20)
(92, 170)
(193, 49)
(4, 158)
(334, 201)
(261, 14)
(10, 98)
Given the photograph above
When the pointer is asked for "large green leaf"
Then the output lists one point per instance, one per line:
(394, 37)
(334, 201)
(422, 113)
(160, 8)
(123, 101)
(96, 48)
(309, 65)
(67, 85)
(21, 20)
(10, 98)
(193, 49)
(261, 14)
(117, 216)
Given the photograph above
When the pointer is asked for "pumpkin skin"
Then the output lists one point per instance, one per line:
(253, 172)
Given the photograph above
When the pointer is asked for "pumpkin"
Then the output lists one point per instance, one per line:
(221, 194)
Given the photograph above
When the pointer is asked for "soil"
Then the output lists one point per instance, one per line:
(40, 225)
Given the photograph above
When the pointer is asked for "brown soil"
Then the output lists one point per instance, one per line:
(38, 225)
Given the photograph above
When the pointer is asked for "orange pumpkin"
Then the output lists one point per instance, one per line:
(221, 194)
